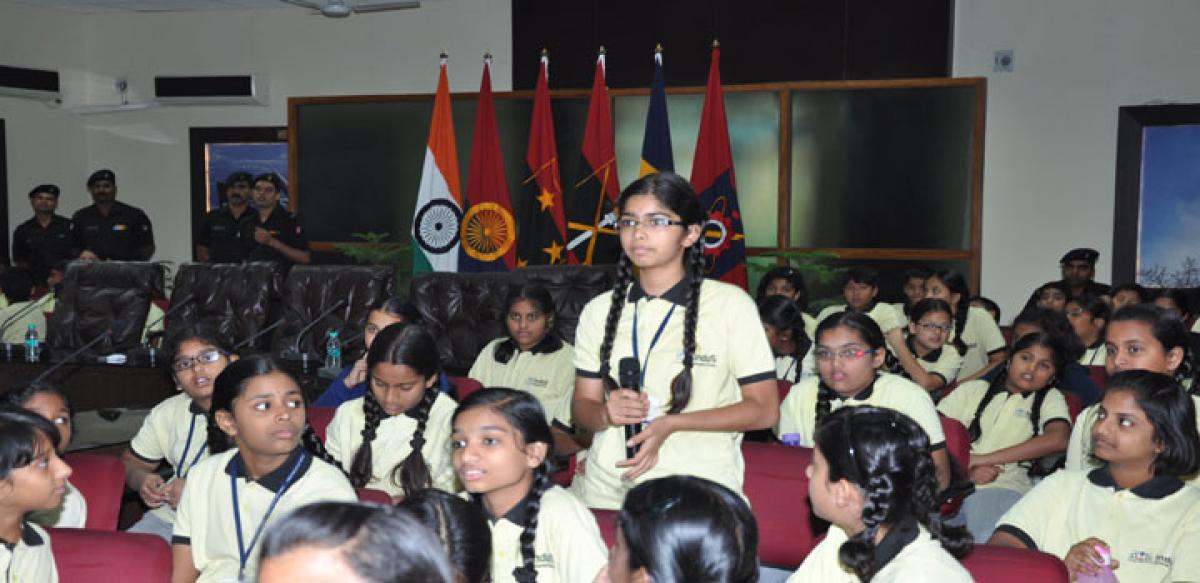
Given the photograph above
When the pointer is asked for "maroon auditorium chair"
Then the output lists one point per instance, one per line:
(464, 386)
(319, 419)
(777, 487)
(372, 495)
(101, 480)
(785, 387)
(992, 564)
(958, 445)
(83, 555)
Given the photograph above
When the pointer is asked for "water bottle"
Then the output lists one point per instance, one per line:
(1105, 575)
(31, 344)
(333, 351)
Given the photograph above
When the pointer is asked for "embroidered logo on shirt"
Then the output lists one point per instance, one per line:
(1147, 558)
(543, 561)
(536, 382)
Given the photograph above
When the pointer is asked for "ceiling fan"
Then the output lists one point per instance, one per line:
(341, 9)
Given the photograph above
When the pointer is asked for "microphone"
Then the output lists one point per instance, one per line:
(71, 357)
(174, 307)
(335, 307)
(21, 313)
(630, 377)
(259, 334)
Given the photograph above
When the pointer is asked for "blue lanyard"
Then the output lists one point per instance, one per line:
(646, 363)
(243, 552)
(180, 471)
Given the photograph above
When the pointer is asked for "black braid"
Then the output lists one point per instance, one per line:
(1035, 468)
(681, 385)
(526, 573)
(974, 430)
(361, 465)
(619, 293)
(961, 313)
(825, 395)
(312, 442)
(858, 552)
(412, 474)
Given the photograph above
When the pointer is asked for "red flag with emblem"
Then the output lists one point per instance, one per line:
(489, 232)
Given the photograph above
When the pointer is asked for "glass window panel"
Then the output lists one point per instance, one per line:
(881, 168)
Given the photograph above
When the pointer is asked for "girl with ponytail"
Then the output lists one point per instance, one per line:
(872, 477)
(1013, 422)
(395, 438)
(976, 336)
(540, 532)
(786, 334)
(695, 358)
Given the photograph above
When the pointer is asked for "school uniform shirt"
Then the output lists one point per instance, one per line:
(15, 330)
(119, 236)
(71, 512)
(567, 545)
(982, 337)
(154, 321)
(1153, 529)
(42, 247)
(1095, 355)
(731, 351)
(787, 368)
(1004, 423)
(798, 412)
(205, 518)
(810, 326)
(175, 432)
(887, 316)
(282, 225)
(392, 443)
(907, 553)
(30, 559)
(548, 376)
(221, 233)
(1079, 448)
(943, 362)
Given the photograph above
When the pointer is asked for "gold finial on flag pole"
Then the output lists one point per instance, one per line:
(602, 51)
(545, 53)
(658, 48)
(716, 44)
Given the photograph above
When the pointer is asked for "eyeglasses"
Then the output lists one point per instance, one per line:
(845, 353)
(930, 327)
(649, 223)
(1075, 313)
(187, 362)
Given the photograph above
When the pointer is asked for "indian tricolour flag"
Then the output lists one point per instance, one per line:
(439, 200)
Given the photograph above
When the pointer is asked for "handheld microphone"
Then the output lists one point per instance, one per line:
(71, 357)
(335, 307)
(630, 377)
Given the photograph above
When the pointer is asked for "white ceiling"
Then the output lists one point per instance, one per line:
(111, 6)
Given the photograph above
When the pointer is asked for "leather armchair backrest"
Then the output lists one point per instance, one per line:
(233, 299)
(310, 290)
(104, 295)
(465, 311)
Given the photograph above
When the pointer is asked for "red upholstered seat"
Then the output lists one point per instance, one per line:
(319, 418)
(992, 564)
(1074, 404)
(564, 476)
(464, 386)
(101, 480)
(785, 387)
(376, 496)
(1099, 375)
(958, 445)
(777, 487)
(99, 556)
(607, 521)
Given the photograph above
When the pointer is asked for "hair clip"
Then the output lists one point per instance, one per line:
(663, 507)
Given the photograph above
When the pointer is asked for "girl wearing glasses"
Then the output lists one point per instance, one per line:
(937, 363)
(693, 346)
(850, 349)
(1088, 315)
(175, 431)
(975, 335)
(1013, 422)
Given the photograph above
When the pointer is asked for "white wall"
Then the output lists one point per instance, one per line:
(1050, 153)
(301, 54)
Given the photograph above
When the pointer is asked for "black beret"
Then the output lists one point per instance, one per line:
(49, 188)
(237, 177)
(1081, 254)
(99, 175)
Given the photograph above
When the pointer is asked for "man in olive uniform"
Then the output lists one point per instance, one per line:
(271, 233)
(109, 229)
(221, 233)
(45, 239)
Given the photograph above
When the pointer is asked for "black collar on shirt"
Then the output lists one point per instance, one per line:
(274, 480)
(1098, 344)
(195, 409)
(29, 536)
(933, 355)
(519, 515)
(676, 295)
(1156, 488)
(897, 537)
(862, 395)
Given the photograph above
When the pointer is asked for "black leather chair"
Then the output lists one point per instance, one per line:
(465, 311)
(310, 290)
(234, 299)
(103, 295)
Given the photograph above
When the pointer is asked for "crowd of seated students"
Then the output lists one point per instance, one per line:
(694, 364)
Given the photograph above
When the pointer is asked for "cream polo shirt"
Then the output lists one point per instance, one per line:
(787, 368)
(30, 560)
(164, 437)
(1079, 449)
(798, 412)
(810, 326)
(392, 443)
(71, 512)
(1153, 529)
(1094, 355)
(731, 351)
(943, 362)
(567, 545)
(1004, 423)
(15, 332)
(982, 337)
(205, 518)
(548, 376)
(886, 315)
(907, 554)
